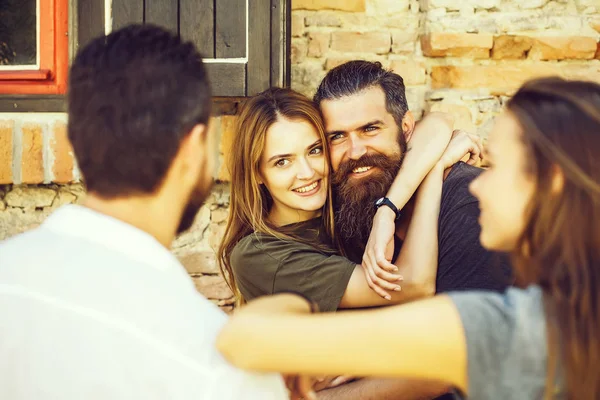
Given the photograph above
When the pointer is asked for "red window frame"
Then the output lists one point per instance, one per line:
(51, 76)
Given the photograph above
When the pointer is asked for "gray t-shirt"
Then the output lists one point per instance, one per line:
(506, 344)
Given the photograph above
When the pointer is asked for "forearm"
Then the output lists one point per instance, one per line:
(418, 259)
(428, 142)
(386, 388)
(279, 335)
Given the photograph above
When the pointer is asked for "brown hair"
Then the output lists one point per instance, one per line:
(250, 202)
(559, 248)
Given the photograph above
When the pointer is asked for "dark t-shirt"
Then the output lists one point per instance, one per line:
(463, 264)
(264, 265)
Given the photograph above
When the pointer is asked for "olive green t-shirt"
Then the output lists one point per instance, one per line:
(263, 265)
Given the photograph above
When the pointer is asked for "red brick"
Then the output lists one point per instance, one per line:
(318, 43)
(511, 47)
(503, 78)
(63, 154)
(413, 72)
(467, 45)
(561, 48)
(6, 151)
(341, 5)
(32, 159)
(361, 42)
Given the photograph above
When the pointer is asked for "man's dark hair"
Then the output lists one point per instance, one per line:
(354, 76)
(133, 96)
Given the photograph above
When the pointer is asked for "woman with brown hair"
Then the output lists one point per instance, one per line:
(540, 201)
(280, 234)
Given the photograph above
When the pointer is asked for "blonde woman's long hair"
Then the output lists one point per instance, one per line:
(250, 201)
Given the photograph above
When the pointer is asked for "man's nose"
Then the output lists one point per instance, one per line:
(357, 148)
(305, 170)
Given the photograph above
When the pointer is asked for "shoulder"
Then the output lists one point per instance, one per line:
(506, 341)
(455, 190)
(515, 304)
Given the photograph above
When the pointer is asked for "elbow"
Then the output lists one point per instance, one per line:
(422, 288)
(446, 119)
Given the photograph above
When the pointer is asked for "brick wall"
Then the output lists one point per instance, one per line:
(464, 57)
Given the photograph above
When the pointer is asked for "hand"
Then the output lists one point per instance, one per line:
(461, 144)
(300, 387)
(376, 262)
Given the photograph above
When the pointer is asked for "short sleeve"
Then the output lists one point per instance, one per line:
(264, 265)
(506, 343)
(322, 278)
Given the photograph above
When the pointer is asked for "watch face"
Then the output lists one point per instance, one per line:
(378, 202)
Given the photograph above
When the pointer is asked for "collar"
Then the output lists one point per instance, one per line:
(86, 224)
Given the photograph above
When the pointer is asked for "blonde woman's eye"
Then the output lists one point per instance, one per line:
(282, 163)
(316, 151)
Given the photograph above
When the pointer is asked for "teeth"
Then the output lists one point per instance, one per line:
(361, 169)
(308, 188)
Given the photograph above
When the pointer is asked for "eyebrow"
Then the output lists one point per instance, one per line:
(362, 127)
(316, 143)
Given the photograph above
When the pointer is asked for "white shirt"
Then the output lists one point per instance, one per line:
(94, 308)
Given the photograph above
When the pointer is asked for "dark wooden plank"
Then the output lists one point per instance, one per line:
(259, 42)
(125, 12)
(227, 79)
(197, 23)
(163, 13)
(33, 103)
(90, 20)
(281, 25)
(230, 28)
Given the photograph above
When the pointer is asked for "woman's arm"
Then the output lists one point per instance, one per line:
(425, 148)
(423, 339)
(417, 262)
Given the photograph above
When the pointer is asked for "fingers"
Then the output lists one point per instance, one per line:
(374, 287)
(377, 256)
(372, 263)
(380, 283)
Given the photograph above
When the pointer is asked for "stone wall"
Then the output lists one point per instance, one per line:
(465, 57)
(23, 207)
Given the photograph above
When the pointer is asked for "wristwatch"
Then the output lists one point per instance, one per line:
(384, 201)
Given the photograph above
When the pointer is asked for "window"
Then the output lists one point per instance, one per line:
(34, 46)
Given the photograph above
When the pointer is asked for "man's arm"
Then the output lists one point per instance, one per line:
(386, 388)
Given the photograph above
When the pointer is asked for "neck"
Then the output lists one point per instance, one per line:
(144, 212)
(280, 217)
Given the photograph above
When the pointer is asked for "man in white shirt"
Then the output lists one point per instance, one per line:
(92, 303)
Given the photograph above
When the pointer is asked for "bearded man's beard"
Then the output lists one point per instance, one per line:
(193, 206)
(355, 198)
